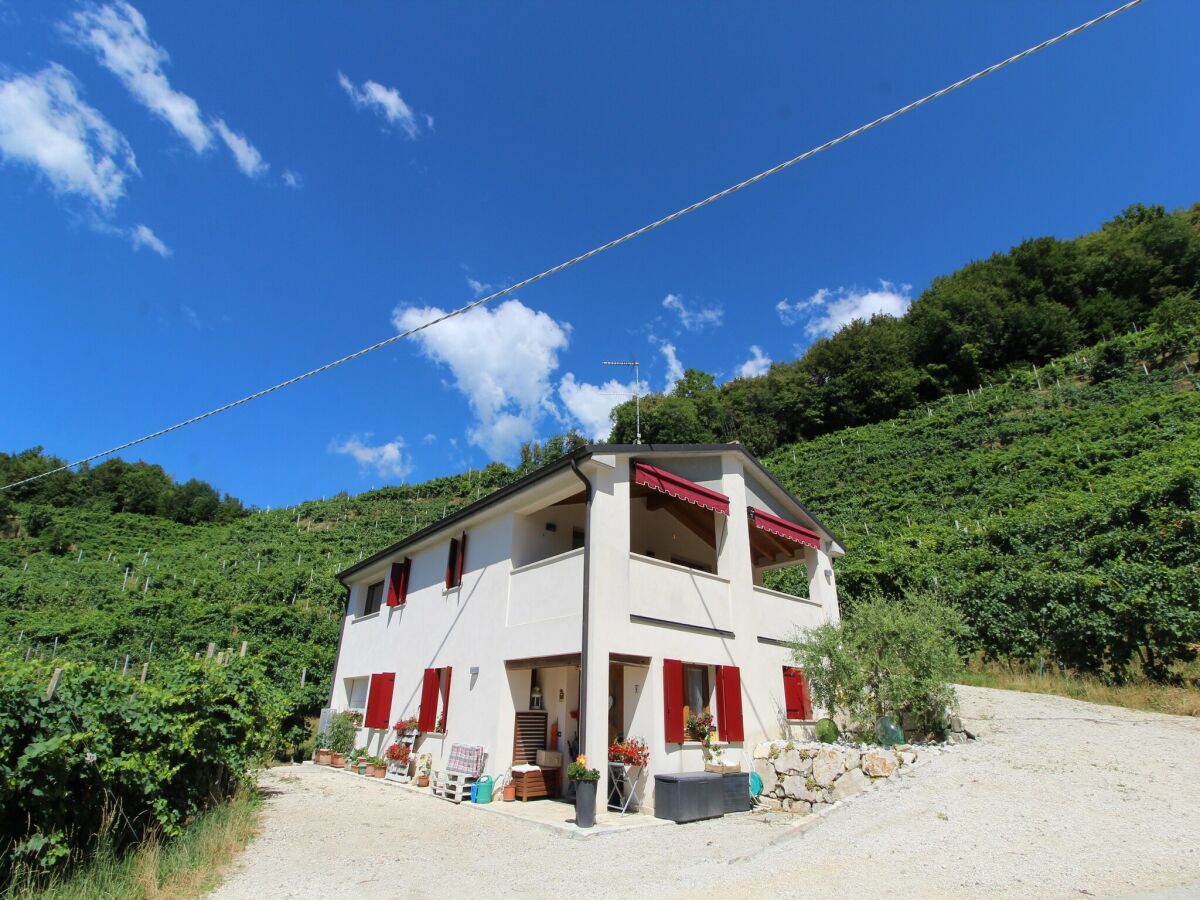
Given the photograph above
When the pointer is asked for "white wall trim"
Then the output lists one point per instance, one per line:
(781, 594)
(548, 561)
(687, 570)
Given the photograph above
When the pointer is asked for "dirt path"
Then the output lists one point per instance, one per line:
(1060, 798)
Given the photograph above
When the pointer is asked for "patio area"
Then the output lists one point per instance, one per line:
(552, 815)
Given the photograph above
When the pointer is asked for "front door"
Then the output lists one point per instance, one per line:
(616, 701)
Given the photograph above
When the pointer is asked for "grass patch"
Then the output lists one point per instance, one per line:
(1180, 700)
(183, 868)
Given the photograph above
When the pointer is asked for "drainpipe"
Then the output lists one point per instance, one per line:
(587, 555)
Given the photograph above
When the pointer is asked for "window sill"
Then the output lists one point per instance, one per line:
(440, 735)
(446, 592)
(699, 745)
(373, 615)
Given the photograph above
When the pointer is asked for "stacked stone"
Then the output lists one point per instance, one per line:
(803, 775)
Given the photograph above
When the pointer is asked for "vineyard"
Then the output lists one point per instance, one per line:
(1059, 508)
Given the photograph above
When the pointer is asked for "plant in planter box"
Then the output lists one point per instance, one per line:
(376, 767)
(358, 761)
(701, 728)
(585, 791)
(411, 725)
(631, 752)
(356, 717)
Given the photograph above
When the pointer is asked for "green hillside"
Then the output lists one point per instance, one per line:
(1063, 519)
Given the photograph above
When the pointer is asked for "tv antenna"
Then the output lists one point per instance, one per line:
(637, 391)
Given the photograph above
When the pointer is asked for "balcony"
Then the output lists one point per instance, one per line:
(780, 616)
(678, 594)
(546, 590)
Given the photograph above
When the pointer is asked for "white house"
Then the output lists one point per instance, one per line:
(619, 588)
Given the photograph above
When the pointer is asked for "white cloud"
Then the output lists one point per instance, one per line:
(478, 288)
(827, 311)
(694, 317)
(45, 124)
(502, 360)
(592, 404)
(118, 35)
(385, 101)
(249, 160)
(674, 366)
(389, 460)
(429, 438)
(757, 364)
(292, 179)
(141, 236)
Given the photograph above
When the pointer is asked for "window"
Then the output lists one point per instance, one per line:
(374, 599)
(687, 691)
(435, 700)
(455, 560)
(695, 691)
(577, 538)
(398, 583)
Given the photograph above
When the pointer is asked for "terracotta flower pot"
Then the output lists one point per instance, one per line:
(376, 771)
(323, 757)
(510, 792)
(338, 760)
(422, 781)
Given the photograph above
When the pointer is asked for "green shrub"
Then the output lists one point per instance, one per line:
(827, 731)
(108, 754)
(892, 658)
(341, 734)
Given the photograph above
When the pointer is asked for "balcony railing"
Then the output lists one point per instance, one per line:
(671, 593)
(550, 588)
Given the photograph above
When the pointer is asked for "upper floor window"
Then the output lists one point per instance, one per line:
(374, 599)
(455, 560)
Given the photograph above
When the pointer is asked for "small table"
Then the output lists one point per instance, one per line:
(534, 783)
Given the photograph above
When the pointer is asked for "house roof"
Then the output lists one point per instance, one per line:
(564, 462)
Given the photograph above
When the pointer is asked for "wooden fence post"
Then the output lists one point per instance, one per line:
(53, 685)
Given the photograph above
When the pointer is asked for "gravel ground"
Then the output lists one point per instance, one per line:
(1059, 798)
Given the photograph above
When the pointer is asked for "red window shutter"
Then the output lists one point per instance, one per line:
(379, 700)
(394, 583)
(429, 701)
(462, 558)
(795, 694)
(398, 583)
(446, 701)
(452, 563)
(673, 700)
(729, 704)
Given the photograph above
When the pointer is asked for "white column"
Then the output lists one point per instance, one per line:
(822, 585)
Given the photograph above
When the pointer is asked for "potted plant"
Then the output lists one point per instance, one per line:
(355, 716)
(399, 757)
(701, 728)
(341, 734)
(424, 767)
(633, 755)
(409, 727)
(323, 753)
(358, 761)
(509, 791)
(376, 767)
(585, 791)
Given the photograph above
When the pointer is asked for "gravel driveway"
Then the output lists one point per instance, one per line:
(1060, 798)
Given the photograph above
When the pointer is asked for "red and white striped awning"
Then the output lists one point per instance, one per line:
(789, 531)
(680, 488)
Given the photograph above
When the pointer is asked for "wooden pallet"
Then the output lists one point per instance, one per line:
(452, 786)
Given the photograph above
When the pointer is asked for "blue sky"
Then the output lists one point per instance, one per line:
(199, 201)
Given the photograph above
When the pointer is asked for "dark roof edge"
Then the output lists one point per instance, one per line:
(564, 462)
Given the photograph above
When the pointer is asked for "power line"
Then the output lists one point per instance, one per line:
(733, 189)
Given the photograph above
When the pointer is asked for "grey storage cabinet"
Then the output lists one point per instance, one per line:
(689, 796)
(735, 790)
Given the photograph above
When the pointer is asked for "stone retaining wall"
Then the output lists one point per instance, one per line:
(801, 775)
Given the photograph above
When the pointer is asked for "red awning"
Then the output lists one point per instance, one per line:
(680, 488)
(789, 531)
